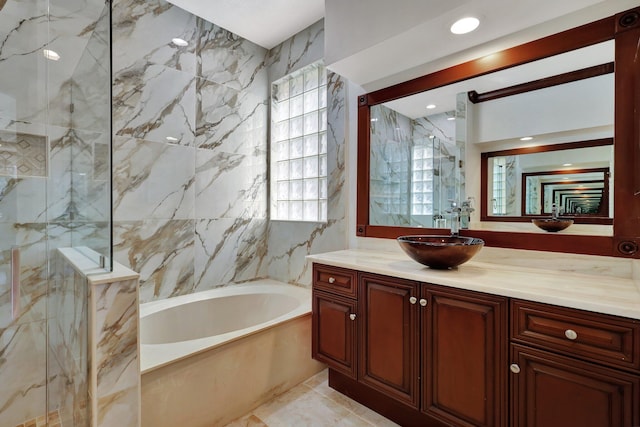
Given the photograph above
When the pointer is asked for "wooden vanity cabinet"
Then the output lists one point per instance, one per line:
(333, 320)
(426, 356)
(573, 368)
(465, 350)
(389, 336)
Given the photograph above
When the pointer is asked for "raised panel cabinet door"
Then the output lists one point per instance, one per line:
(464, 357)
(334, 332)
(552, 390)
(389, 336)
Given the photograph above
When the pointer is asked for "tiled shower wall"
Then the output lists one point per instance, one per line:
(190, 213)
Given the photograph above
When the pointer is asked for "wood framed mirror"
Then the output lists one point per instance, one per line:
(624, 239)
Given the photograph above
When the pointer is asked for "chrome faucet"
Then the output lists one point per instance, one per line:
(465, 213)
(455, 218)
(554, 211)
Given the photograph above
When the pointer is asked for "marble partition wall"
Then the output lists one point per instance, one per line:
(190, 150)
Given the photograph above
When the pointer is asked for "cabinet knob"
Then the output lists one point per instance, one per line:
(515, 368)
(413, 300)
(571, 334)
(423, 302)
(332, 280)
(352, 316)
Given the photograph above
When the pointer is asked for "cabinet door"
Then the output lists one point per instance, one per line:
(389, 336)
(464, 357)
(550, 390)
(334, 332)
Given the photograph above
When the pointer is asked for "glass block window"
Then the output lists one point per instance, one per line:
(299, 146)
(499, 200)
(422, 180)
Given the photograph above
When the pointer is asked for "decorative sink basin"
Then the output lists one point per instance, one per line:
(440, 252)
(552, 224)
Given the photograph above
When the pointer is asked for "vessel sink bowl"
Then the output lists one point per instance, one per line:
(440, 252)
(552, 224)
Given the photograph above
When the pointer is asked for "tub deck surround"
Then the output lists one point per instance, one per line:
(184, 339)
(209, 381)
(602, 294)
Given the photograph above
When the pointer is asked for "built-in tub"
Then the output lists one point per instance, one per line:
(212, 356)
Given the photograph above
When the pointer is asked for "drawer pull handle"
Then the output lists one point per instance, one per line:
(332, 280)
(413, 300)
(571, 334)
(423, 302)
(515, 368)
(352, 316)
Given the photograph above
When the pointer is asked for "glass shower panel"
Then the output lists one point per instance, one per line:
(54, 192)
(23, 201)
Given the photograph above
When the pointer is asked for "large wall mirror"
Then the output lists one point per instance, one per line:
(519, 134)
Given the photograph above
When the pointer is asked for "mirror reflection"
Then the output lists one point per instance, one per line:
(421, 146)
(577, 181)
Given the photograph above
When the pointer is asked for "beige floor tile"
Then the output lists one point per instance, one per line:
(312, 404)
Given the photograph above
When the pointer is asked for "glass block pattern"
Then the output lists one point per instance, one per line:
(299, 146)
(422, 180)
(499, 200)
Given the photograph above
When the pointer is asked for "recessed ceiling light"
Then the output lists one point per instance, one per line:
(180, 42)
(465, 25)
(451, 118)
(50, 54)
(172, 139)
(526, 138)
(431, 106)
(567, 164)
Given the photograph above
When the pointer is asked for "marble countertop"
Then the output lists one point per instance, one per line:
(602, 294)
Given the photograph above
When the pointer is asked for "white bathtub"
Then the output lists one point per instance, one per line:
(174, 328)
(210, 357)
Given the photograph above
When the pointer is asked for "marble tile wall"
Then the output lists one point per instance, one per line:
(290, 242)
(190, 150)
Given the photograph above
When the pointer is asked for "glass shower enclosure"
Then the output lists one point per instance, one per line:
(55, 191)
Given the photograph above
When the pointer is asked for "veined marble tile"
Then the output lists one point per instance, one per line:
(152, 180)
(133, 23)
(230, 185)
(303, 49)
(154, 102)
(229, 119)
(22, 200)
(22, 65)
(116, 323)
(336, 154)
(91, 82)
(31, 239)
(162, 251)
(228, 251)
(230, 60)
(61, 142)
(23, 367)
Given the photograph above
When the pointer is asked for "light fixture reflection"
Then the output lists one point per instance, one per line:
(526, 138)
(171, 139)
(51, 54)
(431, 106)
(179, 42)
(451, 118)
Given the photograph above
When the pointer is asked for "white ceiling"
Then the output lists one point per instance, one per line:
(264, 22)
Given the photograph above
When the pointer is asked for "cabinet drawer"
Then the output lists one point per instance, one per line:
(334, 279)
(607, 339)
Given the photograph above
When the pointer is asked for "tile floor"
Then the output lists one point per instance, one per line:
(312, 404)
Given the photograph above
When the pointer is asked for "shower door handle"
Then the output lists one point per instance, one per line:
(15, 282)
